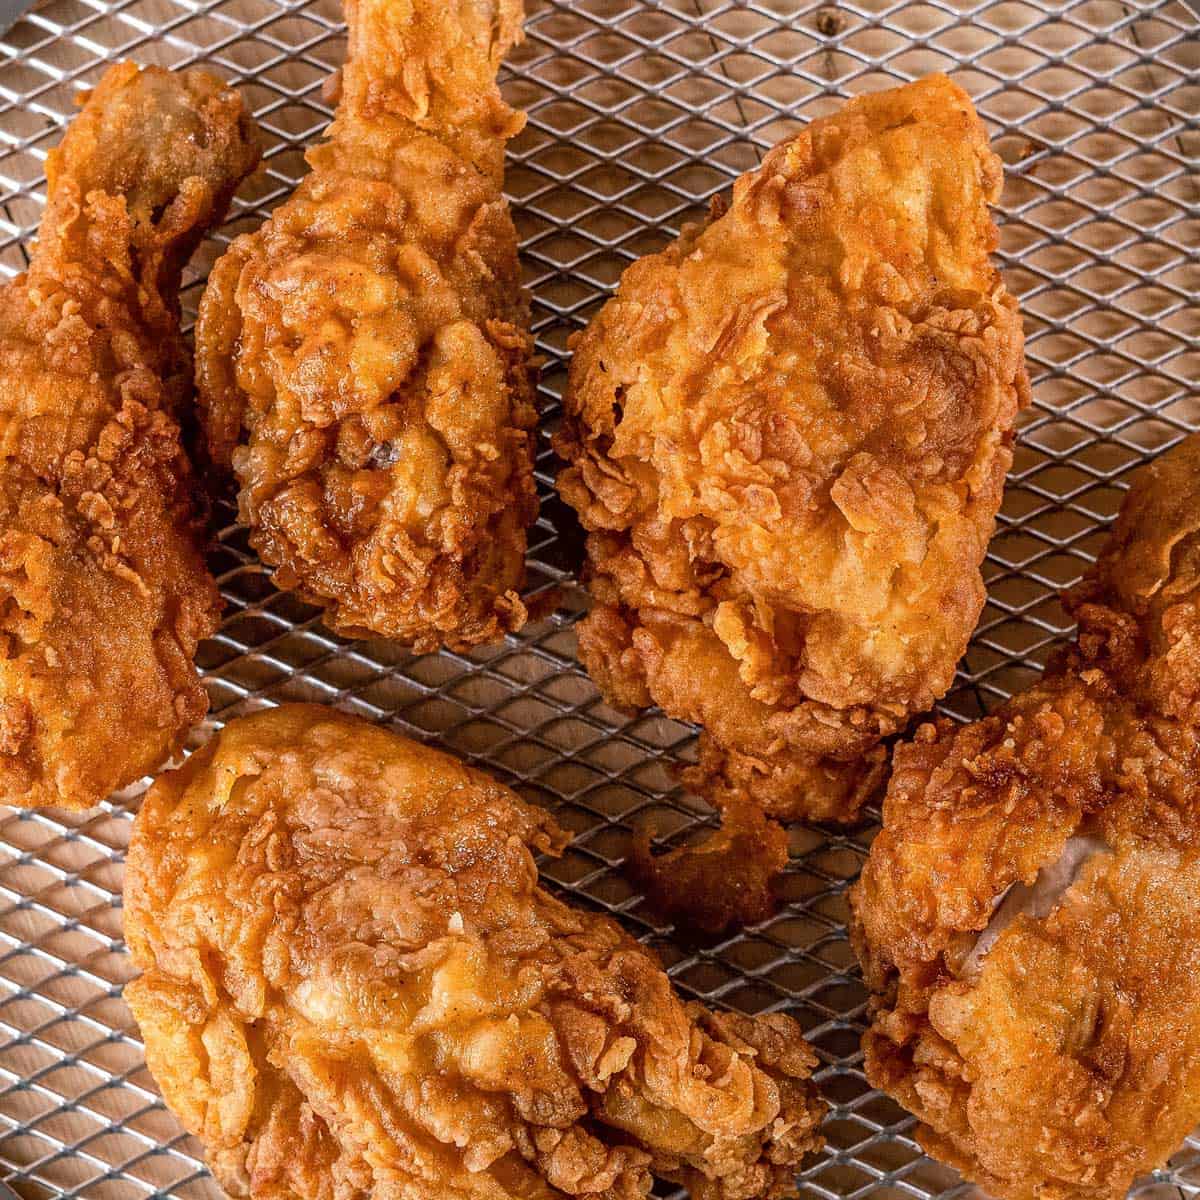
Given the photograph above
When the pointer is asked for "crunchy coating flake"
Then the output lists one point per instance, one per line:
(105, 593)
(364, 358)
(787, 437)
(1058, 1055)
(355, 987)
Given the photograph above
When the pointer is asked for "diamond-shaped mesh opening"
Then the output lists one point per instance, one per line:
(639, 112)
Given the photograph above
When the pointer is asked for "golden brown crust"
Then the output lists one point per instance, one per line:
(105, 590)
(1067, 1059)
(355, 986)
(787, 437)
(364, 359)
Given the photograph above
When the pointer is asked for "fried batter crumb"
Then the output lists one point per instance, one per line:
(728, 880)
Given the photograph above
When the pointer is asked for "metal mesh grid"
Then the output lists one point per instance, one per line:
(639, 111)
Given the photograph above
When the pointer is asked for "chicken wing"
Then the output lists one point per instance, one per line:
(364, 359)
(105, 592)
(355, 987)
(787, 437)
(1029, 916)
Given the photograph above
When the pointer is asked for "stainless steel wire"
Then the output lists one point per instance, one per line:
(639, 112)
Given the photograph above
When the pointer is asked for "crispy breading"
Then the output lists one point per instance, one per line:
(105, 593)
(355, 987)
(1029, 916)
(364, 358)
(787, 436)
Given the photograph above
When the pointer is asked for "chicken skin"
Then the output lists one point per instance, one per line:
(787, 436)
(1029, 917)
(105, 592)
(364, 359)
(355, 987)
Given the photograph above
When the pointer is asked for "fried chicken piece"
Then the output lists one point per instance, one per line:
(364, 359)
(355, 987)
(105, 592)
(1029, 917)
(787, 437)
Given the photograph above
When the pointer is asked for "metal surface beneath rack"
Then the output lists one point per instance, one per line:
(639, 112)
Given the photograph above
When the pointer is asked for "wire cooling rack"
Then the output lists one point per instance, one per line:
(639, 111)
